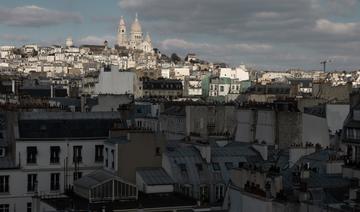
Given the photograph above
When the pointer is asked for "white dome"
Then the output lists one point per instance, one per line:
(69, 42)
(136, 27)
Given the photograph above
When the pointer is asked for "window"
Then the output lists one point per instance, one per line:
(241, 164)
(54, 181)
(29, 207)
(4, 184)
(99, 155)
(199, 167)
(350, 133)
(113, 159)
(4, 208)
(77, 158)
(182, 167)
(139, 124)
(31, 152)
(157, 151)
(54, 154)
(107, 157)
(2, 152)
(32, 182)
(216, 166)
(187, 190)
(229, 165)
(221, 88)
(219, 192)
(357, 154)
(204, 193)
(77, 175)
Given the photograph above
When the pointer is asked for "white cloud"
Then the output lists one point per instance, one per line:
(326, 26)
(131, 3)
(96, 40)
(35, 16)
(174, 43)
(267, 15)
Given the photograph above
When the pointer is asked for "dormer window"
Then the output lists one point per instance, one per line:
(2, 152)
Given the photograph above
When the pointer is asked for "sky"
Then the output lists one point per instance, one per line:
(264, 34)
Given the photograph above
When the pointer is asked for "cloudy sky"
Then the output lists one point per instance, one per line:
(269, 34)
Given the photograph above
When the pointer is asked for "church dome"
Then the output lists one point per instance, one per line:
(69, 42)
(136, 27)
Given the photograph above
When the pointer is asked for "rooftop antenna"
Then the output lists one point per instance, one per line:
(324, 64)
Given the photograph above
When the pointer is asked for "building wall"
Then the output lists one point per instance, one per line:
(282, 128)
(289, 128)
(17, 197)
(339, 93)
(241, 202)
(174, 127)
(110, 102)
(205, 120)
(139, 152)
(336, 115)
(244, 126)
(315, 130)
(66, 151)
(265, 126)
(117, 82)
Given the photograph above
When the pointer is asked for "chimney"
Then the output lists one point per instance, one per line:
(262, 149)
(13, 87)
(52, 91)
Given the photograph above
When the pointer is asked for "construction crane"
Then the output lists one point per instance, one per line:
(324, 64)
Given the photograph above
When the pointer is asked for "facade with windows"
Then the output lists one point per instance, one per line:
(205, 176)
(51, 151)
(351, 137)
(162, 88)
(226, 86)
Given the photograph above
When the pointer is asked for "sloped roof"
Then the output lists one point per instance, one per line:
(155, 176)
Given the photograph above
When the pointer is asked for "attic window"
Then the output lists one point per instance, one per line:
(43, 127)
(2, 152)
(229, 165)
(182, 167)
(216, 166)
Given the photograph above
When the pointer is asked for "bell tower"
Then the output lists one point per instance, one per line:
(121, 36)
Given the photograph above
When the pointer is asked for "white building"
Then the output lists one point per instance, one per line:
(136, 41)
(240, 73)
(51, 151)
(113, 81)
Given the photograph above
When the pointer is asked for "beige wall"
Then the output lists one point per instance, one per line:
(198, 118)
(139, 152)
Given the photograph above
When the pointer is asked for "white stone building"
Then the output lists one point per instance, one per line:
(137, 40)
(48, 152)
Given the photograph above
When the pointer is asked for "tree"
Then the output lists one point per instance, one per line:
(175, 58)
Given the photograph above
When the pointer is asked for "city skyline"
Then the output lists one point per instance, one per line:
(275, 34)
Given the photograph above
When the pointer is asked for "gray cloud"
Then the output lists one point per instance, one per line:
(14, 38)
(34, 16)
(96, 40)
(300, 33)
